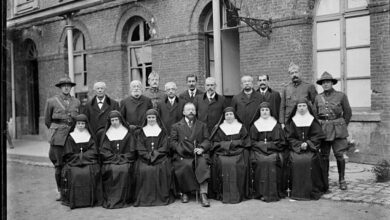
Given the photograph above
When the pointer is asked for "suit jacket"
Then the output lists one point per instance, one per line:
(274, 99)
(209, 112)
(183, 137)
(186, 96)
(170, 114)
(246, 108)
(98, 117)
(133, 110)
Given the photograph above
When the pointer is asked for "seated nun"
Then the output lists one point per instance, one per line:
(304, 134)
(81, 173)
(117, 152)
(229, 170)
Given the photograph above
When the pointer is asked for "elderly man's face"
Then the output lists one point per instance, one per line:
(65, 88)
(263, 82)
(153, 81)
(136, 90)
(247, 83)
(327, 85)
(295, 75)
(189, 111)
(210, 86)
(100, 90)
(191, 83)
(170, 90)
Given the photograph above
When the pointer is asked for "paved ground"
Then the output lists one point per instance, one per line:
(31, 191)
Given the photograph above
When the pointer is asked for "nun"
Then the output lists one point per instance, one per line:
(153, 170)
(268, 143)
(304, 134)
(229, 171)
(117, 152)
(81, 174)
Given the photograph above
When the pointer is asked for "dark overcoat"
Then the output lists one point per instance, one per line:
(133, 110)
(246, 107)
(170, 114)
(186, 96)
(274, 99)
(209, 112)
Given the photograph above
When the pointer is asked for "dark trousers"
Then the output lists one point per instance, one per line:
(339, 146)
(55, 156)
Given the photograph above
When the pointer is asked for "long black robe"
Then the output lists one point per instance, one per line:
(188, 175)
(229, 170)
(117, 163)
(307, 177)
(81, 177)
(153, 171)
(266, 162)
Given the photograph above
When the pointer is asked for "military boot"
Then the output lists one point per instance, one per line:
(341, 169)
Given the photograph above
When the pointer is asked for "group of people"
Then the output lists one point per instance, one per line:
(155, 146)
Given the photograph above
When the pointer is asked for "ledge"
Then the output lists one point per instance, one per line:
(366, 116)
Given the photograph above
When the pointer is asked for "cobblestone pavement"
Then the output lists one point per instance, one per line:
(361, 185)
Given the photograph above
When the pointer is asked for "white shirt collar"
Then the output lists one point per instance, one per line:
(263, 91)
(210, 97)
(172, 99)
(97, 99)
(194, 91)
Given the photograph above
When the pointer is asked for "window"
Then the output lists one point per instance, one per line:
(139, 51)
(342, 47)
(80, 62)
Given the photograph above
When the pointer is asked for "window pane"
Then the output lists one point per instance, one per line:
(79, 44)
(358, 31)
(328, 34)
(78, 64)
(357, 3)
(79, 80)
(328, 7)
(359, 92)
(328, 61)
(358, 62)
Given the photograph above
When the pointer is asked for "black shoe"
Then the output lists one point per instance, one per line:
(184, 198)
(343, 185)
(204, 201)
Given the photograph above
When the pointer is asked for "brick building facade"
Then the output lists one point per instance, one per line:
(117, 41)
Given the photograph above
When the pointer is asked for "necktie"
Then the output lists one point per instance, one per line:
(190, 124)
(192, 94)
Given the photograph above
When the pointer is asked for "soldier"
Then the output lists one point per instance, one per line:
(59, 113)
(154, 92)
(189, 95)
(293, 91)
(98, 108)
(334, 113)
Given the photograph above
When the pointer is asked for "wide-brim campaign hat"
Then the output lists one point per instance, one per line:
(326, 77)
(64, 81)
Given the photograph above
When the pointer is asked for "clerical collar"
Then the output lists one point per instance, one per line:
(80, 136)
(210, 96)
(115, 134)
(100, 100)
(264, 91)
(263, 125)
(303, 120)
(152, 130)
(231, 128)
(192, 91)
(248, 93)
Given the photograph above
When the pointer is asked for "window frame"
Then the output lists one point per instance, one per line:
(342, 16)
(77, 34)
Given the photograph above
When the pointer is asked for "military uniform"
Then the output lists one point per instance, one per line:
(155, 94)
(58, 118)
(291, 93)
(334, 113)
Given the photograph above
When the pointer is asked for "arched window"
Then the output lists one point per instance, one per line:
(80, 61)
(139, 50)
(342, 47)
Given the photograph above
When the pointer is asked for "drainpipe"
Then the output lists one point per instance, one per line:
(217, 46)
(69, 32)
(13, 100)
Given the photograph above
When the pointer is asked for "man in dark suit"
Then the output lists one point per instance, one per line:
(190, 144)
(269, 95)
(246, 102)
(171, 107)
(189, 95)
(133, 108)
(97, 109)
(210, 105)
